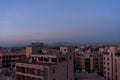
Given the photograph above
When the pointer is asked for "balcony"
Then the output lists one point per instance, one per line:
(117, 54)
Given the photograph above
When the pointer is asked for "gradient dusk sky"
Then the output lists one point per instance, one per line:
(81, 21)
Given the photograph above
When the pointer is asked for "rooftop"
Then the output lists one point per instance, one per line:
(87, 76)
(12, 50)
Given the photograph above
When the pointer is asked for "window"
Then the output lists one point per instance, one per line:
(42, 73)
(104, 67)
(65, 49)
(101, 59)
(37, 79)
(54, 79)
(107, 59)
(46, 59)
(54, 60)
(96, 59)
(104, 63)
(40, 58)
(53, 71)
(101, 62)
(115, 60)
(104, 72)
(70, 57)
(38, 71)
(108, 64)
(70, 50)
(34, 59)
(104, 77)
(3, 57)
(116, 77)
(32, 71)
(96, 66)
(62, 59)
(104, 58)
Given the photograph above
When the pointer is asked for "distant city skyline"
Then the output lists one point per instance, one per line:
(77, 21)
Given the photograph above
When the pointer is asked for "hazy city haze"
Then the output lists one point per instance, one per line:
(59, 20)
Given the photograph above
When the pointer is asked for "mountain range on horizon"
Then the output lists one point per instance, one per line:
(59, 44)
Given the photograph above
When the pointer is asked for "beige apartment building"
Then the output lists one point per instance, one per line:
(90, 62)
(46, 66)
(66, 49)
(112, 63)
(96, 63)
(82, 62)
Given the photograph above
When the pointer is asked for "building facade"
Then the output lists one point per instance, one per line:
(9, 57)
(46, 66)
(111, 60)
(89, 60)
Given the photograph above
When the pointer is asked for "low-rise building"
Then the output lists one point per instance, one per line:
(9, 57)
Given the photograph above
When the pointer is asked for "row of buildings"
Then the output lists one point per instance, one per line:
(40, 62)
(104, 60)
(9, 57)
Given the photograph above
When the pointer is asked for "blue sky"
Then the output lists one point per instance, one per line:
(81, 21)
